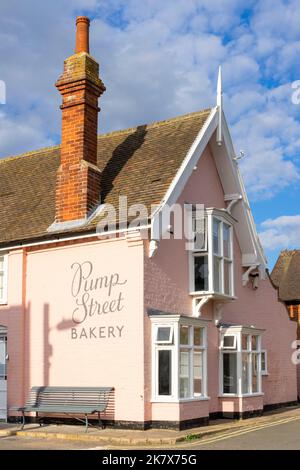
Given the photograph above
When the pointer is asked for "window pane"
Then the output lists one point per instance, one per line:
(216, 236)
(184, 368)
(217, 274)
(228, 341)
(1, 263)
(2, 358)
(199, 228)
(229, 373)
(184, 335)
(226, 241)
(254, 373)
(227, 277)
(198, 336)
(245, 373)
(201, 273)
(263, 362)
(244, 342)
(164, 372)
(254, 343)
(198, 373)
(163, 333)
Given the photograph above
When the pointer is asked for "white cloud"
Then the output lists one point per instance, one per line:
(282, 232)
(159, 59)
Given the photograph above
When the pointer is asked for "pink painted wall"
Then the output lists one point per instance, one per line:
(261, 308)
(231, 405)
(53, 353)
(167, 289)
(41, 306)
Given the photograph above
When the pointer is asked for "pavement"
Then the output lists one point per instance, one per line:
(68, 437)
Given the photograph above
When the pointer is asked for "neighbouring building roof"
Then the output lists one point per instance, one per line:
(286, 275)
(139, 162)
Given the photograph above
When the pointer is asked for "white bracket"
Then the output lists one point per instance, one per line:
(233, 199)
(247, 274)
(198, 304)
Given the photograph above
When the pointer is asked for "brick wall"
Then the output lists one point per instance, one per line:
(78, 177)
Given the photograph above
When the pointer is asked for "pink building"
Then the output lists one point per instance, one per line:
(183, 328)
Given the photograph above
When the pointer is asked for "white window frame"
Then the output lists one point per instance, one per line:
(238, 331)
(191, 349)
(229, 347)
(171, 335)
(3, 299)
(224, 218)
(265, 370)
(175, 321)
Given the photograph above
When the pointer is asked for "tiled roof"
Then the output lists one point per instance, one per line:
(139, 162)
(286, 275)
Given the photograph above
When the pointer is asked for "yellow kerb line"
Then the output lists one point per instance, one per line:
(240, 432)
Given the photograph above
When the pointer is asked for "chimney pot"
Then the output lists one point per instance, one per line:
(82, 34)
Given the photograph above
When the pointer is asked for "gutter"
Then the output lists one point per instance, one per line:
(60, 239)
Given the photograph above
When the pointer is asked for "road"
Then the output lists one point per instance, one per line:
(275, 436)
(284, 435)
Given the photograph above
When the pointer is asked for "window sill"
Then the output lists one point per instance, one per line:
(3, 303)
(184, 400)
(246, 395)
(180, 400)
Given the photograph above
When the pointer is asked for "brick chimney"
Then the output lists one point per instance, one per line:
(78, 177)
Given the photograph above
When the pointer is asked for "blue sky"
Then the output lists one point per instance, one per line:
(159, 59)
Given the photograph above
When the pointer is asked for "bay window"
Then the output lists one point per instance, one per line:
(240, 361)
(3, 279)
(178, 358)
(211, 257)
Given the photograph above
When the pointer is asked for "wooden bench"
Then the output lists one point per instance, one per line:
(67, 400)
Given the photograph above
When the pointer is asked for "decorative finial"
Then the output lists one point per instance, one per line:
(220, 106)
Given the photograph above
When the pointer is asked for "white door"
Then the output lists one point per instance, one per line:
(3, 378)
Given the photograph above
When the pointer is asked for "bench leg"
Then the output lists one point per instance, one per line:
(38, 419)
(86, 423)
(101, 425)
(23, 420)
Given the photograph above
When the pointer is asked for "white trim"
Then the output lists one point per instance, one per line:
(181, 400)
(176, 321)
(258, 250)
(184, 172)
(60, 239)
(4, 299)
(224, 218)
(236, 395)
(238, 331)
(220, 107)
(252, 252)
(234, 347)
(171, 334)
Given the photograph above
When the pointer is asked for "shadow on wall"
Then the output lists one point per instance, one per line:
(109, 414)
(121, 155)
(23, 355)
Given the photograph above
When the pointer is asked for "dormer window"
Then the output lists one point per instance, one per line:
(211, 258)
